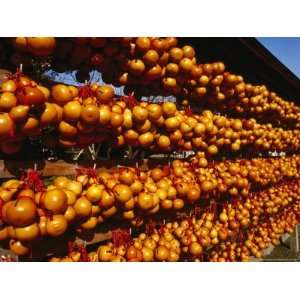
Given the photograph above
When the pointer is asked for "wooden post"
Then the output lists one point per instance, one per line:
(294, 240)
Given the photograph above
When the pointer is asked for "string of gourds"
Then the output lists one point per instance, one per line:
(160, 66)
(258, 238)
(31, 210)
(68, 116)
(212, 236)
(72, 117)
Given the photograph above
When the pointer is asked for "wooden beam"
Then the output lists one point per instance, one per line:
(15, 168)
(294, 240)
(96, 237)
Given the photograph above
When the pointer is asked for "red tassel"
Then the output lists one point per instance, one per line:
(86, 91)
(161, 229)
(189, 111)
(83, 254)
(166, 170)
(130, 100)
(32, 180)
(15, 76)
(121, 237)
(197, 211)
(150, 227)
(87, 171)
(71, 246)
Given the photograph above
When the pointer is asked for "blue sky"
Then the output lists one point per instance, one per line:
(286, 49)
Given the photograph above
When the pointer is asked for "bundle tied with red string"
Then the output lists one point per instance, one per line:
(197, 211)
(73, 247)
(130, 100)
(213, 209)
(121, 237)
(27, 91)
(32, 179)
(161, 229)
(90, 172)
(83, 254)
(86, 91)
(166, 170)
(189, 111)
(14, 76)
(150, 227)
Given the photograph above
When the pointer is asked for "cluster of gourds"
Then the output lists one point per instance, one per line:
(238, 206)
(91, 114)
(228, 223)
(160, 66)
(202, 237)
(21, 100)
(30, 210)
(258, 238)
(157, 246)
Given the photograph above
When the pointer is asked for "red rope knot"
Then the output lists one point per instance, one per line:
(71, 247)
(150, 227)
(84, 257)
(86, 91)
(189, 111)
(32, 179)
(197, 211)
(138, 171)
(121, 237)
(130, 100)
(14, 76)
(166, 170)
(161, 229)
(90, 172)
(190, 220)
(235, 202)
(213, 206)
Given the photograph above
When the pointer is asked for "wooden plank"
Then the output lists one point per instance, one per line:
(294, 240)
(10, 169)
(15, 168)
